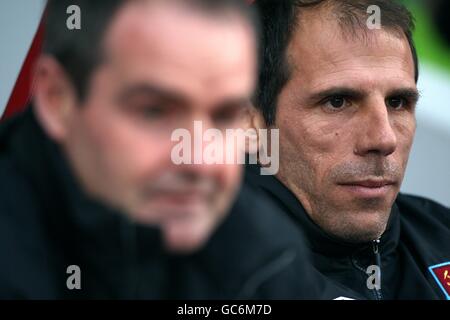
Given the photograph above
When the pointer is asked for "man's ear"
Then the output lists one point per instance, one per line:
(54, 97)
(254, 121)
(257, 119)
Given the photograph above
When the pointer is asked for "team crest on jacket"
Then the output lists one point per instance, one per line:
(441, 273)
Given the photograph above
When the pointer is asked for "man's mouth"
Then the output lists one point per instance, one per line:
(369, 188)
(187, 197)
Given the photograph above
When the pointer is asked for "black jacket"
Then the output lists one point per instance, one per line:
(413, 253)
(48, 224)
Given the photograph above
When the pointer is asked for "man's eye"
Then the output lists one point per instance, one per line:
(153, 112)
(396, 102)
(336, 102)
(226, 116)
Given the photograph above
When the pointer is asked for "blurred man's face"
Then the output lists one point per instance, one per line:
(347, 122)
(165, 66)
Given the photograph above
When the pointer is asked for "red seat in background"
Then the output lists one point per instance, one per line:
(21, 94)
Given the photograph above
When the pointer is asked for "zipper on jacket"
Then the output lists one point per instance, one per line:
(376, 251)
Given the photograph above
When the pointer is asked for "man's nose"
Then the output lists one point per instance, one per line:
(376, 134)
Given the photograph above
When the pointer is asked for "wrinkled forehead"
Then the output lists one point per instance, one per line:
(320, 49)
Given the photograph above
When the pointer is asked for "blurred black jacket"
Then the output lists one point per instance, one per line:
(47, 224)
(413, 253)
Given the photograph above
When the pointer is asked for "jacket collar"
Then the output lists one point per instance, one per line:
(317, 239)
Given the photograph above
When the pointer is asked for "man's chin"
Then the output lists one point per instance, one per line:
(184, 238)
(185, 228)
(360, 227)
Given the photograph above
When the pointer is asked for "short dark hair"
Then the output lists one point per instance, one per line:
(79, 52)
(278, 22)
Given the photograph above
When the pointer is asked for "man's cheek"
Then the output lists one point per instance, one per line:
(316, 138)
(405, 138)
(404, 127)
(138, 151)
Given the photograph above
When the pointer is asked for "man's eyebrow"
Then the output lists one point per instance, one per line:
(336, 91)
(152, 90)
(409, 93)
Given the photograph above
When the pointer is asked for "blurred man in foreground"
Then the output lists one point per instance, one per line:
(86, 177)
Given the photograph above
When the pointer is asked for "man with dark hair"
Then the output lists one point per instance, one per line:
(80, 50)
(342, 91)
(91, 203)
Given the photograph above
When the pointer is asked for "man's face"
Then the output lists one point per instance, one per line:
(164, 67)
(347, 122)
